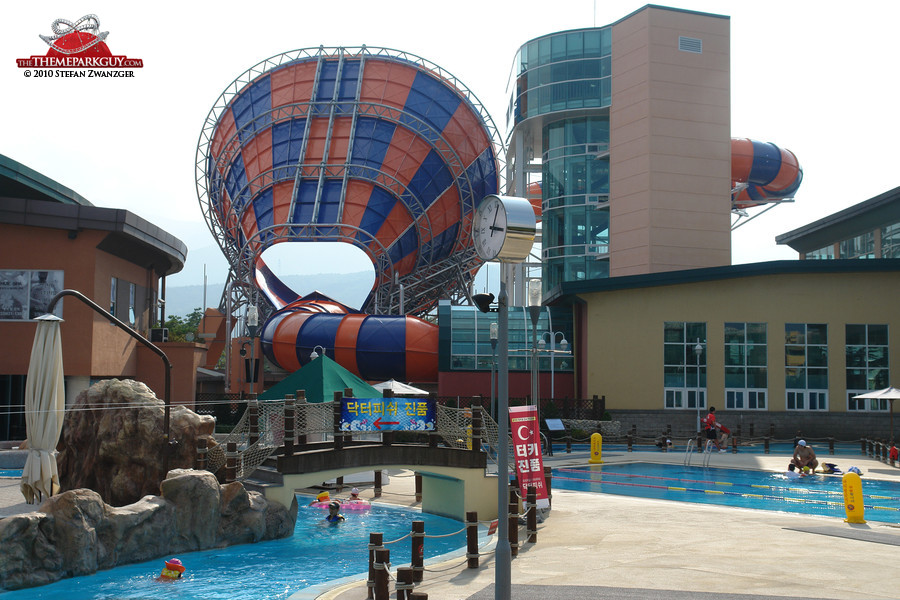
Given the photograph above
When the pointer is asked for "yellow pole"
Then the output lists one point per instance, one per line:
(596, 449)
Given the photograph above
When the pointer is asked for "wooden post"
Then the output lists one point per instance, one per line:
(630, 440)
(831, 445)
(382, 574)
(513, 519)
(531, 515)
(734, 445)
(472, 539)
(376, 541)
(289, 416)
(338, 435)
(699, 442)
(200, 461)
(863, 443)
(771, 430)
(418, 487)
(417, 596)
(339, 483)
(766, 445)
(300, 399)
(231, 456)
(751, 429)
(387, 437)
(417, 551)
(476, 428)
(404, 585)
(548, 482)
(377, 490)
(253, 408)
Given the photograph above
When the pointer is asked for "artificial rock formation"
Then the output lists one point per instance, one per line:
(113, 441)
(76, 533)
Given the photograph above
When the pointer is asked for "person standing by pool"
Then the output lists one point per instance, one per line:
(804, 456)
(711, 428)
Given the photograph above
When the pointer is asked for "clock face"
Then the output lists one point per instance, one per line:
(490, 228)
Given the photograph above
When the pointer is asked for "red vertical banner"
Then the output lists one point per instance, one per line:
(526, 439)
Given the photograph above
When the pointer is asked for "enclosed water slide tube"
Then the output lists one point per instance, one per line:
(762, 173)
(366, 146)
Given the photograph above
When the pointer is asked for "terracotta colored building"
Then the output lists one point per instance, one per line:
(51, 239)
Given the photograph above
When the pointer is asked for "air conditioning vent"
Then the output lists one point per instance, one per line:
(689, 44)
(159, 334)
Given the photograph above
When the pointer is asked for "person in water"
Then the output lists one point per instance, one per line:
(354, 494)
(334, 513)
(172, 571)
(321, 497)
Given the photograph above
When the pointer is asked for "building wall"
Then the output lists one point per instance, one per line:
(624, 330)
(670, 143)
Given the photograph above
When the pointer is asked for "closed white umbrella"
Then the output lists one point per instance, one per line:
(45, 405)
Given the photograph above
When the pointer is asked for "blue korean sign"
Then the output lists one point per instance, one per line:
(387, 414)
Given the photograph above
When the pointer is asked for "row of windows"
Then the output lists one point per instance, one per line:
(588, 43)
(746, 365)
(863, 246)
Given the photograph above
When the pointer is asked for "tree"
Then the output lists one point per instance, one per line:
(179, 327)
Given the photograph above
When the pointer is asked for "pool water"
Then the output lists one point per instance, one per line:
(317, 553)
(816, 494)
(10, 472)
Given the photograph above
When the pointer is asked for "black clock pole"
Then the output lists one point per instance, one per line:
(503, 553)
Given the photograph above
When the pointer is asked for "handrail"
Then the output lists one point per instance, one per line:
(169, 445)
(688, 451)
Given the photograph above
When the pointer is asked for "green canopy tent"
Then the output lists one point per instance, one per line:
(320, 379)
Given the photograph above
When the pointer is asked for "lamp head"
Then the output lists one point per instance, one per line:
(483, 301)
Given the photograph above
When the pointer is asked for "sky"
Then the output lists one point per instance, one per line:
(818, 77)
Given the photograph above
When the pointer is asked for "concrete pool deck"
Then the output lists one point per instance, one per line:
(608, 546)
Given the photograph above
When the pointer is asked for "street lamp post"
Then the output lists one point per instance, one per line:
(563, 344)
(493, 333)
(698, 350)
(534, 309)
(314, 355)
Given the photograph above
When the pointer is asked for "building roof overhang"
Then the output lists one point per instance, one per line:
(570, 292)
(845, 224)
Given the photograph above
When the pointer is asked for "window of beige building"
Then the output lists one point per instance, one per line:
(684, 367)
(806, 366)
(867, 365)
(746, 372)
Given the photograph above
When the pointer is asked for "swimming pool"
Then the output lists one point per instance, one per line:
(317, 553)
(817, 495)
(10, 472)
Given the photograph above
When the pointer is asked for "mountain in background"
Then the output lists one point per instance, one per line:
(348, 288)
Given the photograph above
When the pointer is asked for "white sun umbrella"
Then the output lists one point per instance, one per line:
(45, 405)
(890, 394)
(400, 388)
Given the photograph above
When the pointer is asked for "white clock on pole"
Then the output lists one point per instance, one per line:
(504, 228)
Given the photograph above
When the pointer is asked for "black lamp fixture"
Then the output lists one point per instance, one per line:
(483, 302)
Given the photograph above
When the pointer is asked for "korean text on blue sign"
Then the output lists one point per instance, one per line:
(387, 414)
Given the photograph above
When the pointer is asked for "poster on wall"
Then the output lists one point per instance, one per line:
(26, 295)
(44, 285)
(14, 295)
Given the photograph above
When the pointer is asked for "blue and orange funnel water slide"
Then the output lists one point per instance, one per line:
(367, 146)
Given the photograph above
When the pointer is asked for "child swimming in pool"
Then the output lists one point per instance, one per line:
(334, 513)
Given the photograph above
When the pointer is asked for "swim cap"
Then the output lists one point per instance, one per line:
(806, 469)
(355, 491)
(335, 504)
(801, 443)
(175, 565)
(323, 496)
